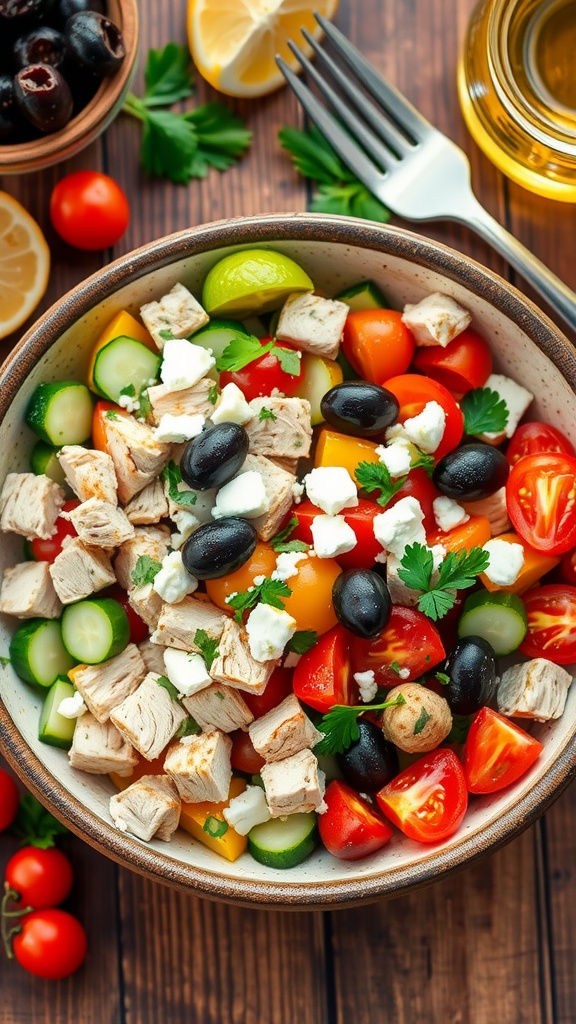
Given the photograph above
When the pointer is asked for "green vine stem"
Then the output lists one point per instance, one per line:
(8, 916)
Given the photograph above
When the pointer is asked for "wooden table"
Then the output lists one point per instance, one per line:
(495, 943)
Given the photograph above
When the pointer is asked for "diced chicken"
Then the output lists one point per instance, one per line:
(187, 402)
(288, 465)
(436, 320)
(494, 508)
(149, 718)
(312, 323)
(151, 541)
(149, 505)
(30, 505)
(89, 473)
(200, 766)
(279, 491)
(176, 315)
(534, 689)
(218, 707)
(105, 686)
(280, 427)
(100, 523)
(283, 731)
(98, 748)
(293, 785)
(178, 623)
(137, 456)
(153, 657)
(235, 666)
(27, 591)
(147, 603)
(149, 808)
(80, 570)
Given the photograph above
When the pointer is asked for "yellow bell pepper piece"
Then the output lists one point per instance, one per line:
(123, 324)
(193, 817)
(536, 565)
(335, 449)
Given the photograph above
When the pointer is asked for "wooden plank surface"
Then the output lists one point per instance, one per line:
(494, 943)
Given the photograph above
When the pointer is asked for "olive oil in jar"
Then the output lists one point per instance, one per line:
(517, 89)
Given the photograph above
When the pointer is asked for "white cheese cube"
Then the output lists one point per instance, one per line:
(331, 488)
(425, 430)
(367, 685)
(232, 407)
(186, 671)
(269, 630)
(184, 364)
(448, 513)
(287, 564)
(175, 429)
(517, 400)
(332, 536)
(506, 561)
(245, 496)
(400, 525)
(174, 582)
(247, 810)
(396, 457)
(186, 522)
(436, 320)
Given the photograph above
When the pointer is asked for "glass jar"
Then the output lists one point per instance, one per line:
(517, 89)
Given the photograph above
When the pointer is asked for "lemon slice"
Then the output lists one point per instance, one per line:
(234, 42)
(24, 264)
(252, 281)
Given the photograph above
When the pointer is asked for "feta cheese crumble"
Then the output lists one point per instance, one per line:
(286, 564)
(331, 488)
(269, 630)
(184, 364)
(247, 809)
(186, 671)
(72, 707)
(425, 430)
(186, 522)
(174, 582)
(517, 400)
(506, 561)
(448, 513)
(367, 685)
(175, 429)
(232, 407)
(396, 457)
(332, 536)
(400, 525)
(245, 496)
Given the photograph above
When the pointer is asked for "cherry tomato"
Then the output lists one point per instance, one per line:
(138, 629)
(350, 828)
(278, 687)
(541, 500)
(262, 562)
(419, 485)
(409, 641)
(243, 757)
(497, 752)
(52, 944)
(360, 518)
(568, 567)
(42, 878)
(536, 438)
(47, 550)
(310, 602)
(9, 800)
(103, 412)
(89, 210)
(464, 364)
(551, 612)
(322, 677)
(427, 800)
(413, 392)
(377, 344)
(262, 375)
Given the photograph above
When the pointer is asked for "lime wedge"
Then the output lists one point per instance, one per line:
(252, 281)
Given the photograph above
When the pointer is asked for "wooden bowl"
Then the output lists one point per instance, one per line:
(94, 118)
(336, 252)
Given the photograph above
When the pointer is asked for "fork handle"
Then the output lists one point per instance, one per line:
(556, 293)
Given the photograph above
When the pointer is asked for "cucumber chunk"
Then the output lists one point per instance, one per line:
(61, 413)
(44, 462)
(283, 842)
(37, 652)
(121, 363)
(95, 630)
(318, 376)
(364, 295)
(218, 334)
(498, 617)
(54, 728)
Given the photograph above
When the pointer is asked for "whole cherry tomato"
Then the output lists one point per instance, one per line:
(464, 364)
(52, 943)
(47, 550)
(9, 800)
(377, 344)
(42, 878)
(89, 210)
(262, 375)
(349, 827)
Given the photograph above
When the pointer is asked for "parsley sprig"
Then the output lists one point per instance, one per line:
(244, 350)
(458, 571)
(173, 477)
(207, 647)
(268, 592)
(34, 825)
(302, 641)
(145, 570)
(375, 476)
(484, 411)
(340, 725)
(182, 146)
(280, 542)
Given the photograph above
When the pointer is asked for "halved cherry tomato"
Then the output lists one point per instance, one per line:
(42, 878)
(278, 687)
(464, 364)
(360, 518)
(413, 392)
(377, 344)
(409, 641)
(427, 800)
(104, 411)
(350, 828)
(541, 500)
(322, 677)
(536, 438)
(551, 612)
(9, 800)
(47, 550)
(419, 485)
(568, 567)
(497, 752)
(138, 629)
(52, 944)
(243, 757)
(262, 562)
(262, 375)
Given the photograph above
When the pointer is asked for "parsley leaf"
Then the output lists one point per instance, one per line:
(111, 414)
(420, 722)
(289, 360)
(213, 394)
(166, 334)
(207, 646)
(442, 678)
(484, 411)
(418, 566)
(4, 660)
(340, 725)
(240, 352)
(280, 542)
(302, 641)
(168, 76)
(145, 570)
(165, 682)
(215, 827)
(189, 727)
(222, 138)
(266, 414)
(173, 477)
(35, 825)
(374, 476)
(268, 592)
(457, 572)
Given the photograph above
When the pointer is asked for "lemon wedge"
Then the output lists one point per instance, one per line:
(24, 264)
(234, 42)
(252, 281)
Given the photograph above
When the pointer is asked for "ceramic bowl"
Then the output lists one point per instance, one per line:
(94, 118)
(336, 252)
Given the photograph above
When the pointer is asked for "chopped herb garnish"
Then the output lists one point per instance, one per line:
(302, 641)
(165, 682)
(207, 646)
(458, 571)
(280, 542)
(4, 660)
(420, 722)
(442, 678)
(220, 695)
(189, 727)
(171, 473)
(215, 827)
(268, 592)
(111, 414)
(395, 667)
(266, 414)
(145, 570)
(340, 725)
(213, 394)
(166, 334)
(484, 411)
(245, 349)
(129, 390)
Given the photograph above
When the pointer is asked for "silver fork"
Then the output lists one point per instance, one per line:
(413, 168)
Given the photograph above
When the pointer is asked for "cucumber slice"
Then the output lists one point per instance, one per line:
(53, 728)
(44, 462)
(364, 295)
(95, 630)
(61, 413)
(121, 363)
(318, 376)
(218, 334)
(283, 842)
(498, 617)
(37, 652)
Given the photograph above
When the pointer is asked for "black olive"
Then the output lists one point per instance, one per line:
(472, 669)
(43, 45)
(9, 114)
(370, 762)
(359, 408)
(17, 11)
(471, 472)
(44, 97)
(361, 602)
(219, 548)
(94, 42)
(215, 456)
(64, 9)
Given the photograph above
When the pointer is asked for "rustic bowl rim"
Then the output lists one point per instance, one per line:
(45, 332)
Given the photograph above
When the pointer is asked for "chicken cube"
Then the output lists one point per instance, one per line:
(100, 523)
(293, 785)
(176, 315)
(200, 766)
(280, 427)
(191, 401)
(105, 686)
(137, 455)
(80, 570)
(153, 657)
(151, 542)
(149, 718)
(235, 666)
(218, 707)
(27, 591)
(30, 505)
(99, 748)
(89, 473)
(178, 623)
(494, 508)
(149, 808)
(147, 603)
(534, 689)
(283, 731)
(278, 485)
(436, 320)
(149, 505)
(312, 323)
